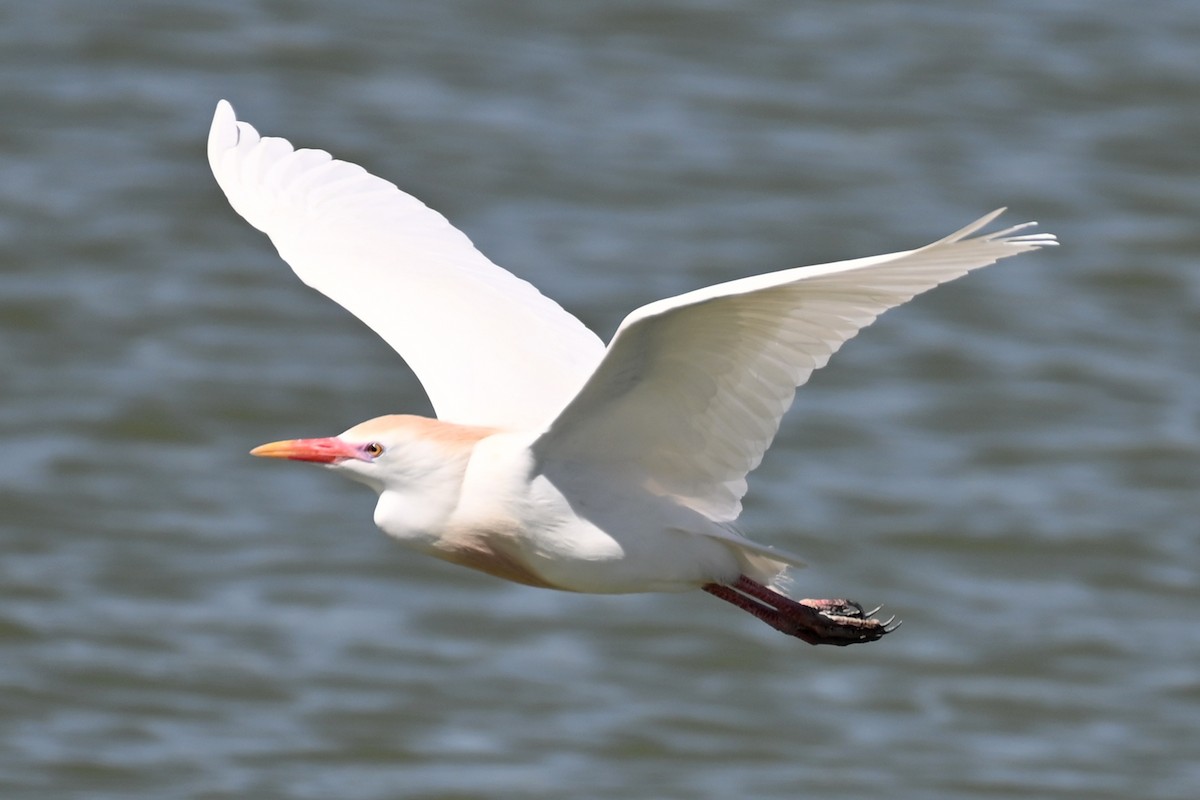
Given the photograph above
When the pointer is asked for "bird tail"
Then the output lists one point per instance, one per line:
(759, 562)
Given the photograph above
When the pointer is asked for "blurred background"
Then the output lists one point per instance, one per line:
(1009, 463)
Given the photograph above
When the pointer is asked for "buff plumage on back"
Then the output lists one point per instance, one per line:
(488, 347)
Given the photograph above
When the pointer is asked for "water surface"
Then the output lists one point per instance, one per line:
(1010, 463)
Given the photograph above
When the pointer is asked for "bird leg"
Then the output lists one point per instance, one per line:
(838, 622)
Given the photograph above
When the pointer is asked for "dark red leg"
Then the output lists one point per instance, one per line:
(838, 622)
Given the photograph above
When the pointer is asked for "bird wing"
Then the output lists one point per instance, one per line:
(488, 347)
(692, 388)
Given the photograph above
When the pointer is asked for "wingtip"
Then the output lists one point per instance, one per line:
(224, 114)
(1007, 235)
(1013, 235)
(223, 133)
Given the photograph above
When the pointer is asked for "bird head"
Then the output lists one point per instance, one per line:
(394, 452)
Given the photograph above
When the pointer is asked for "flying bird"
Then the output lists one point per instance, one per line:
(556, 461)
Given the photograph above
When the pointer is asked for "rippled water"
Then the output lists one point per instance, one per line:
(1010, 463)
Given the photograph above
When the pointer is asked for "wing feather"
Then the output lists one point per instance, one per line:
(691, 389)
(488, 347)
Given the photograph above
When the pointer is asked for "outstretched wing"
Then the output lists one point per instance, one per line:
(692, 388)
(488, 347)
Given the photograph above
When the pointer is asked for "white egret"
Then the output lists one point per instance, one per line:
(556, 461)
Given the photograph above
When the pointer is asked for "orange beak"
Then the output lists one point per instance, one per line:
(320, 451)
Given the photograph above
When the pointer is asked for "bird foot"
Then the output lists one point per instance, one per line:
(842, 622)
(836, 622)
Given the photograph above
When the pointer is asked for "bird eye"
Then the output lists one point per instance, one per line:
(373, 449)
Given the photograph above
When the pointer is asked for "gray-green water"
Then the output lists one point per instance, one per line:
(1010, 463)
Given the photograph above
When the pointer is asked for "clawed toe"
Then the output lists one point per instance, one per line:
(852, 630)
(838, 608)
(844, 622)
(847, 609)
